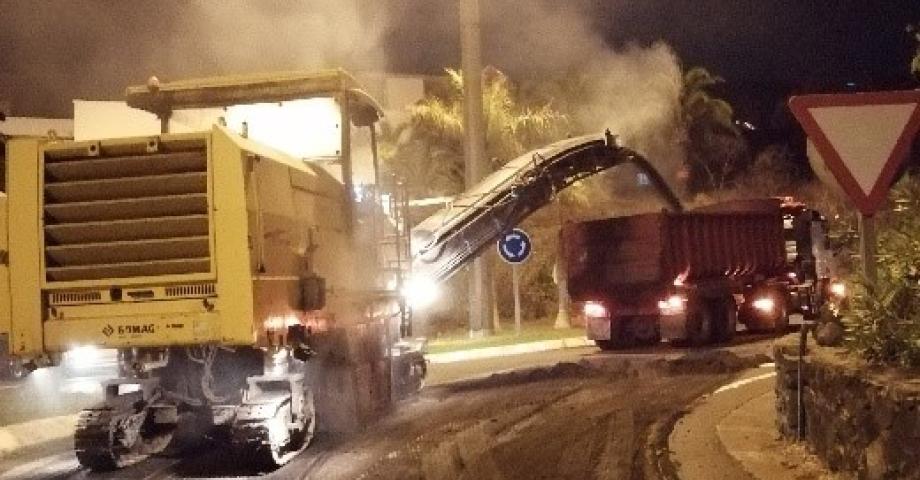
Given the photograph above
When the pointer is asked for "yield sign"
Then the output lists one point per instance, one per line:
(862, 137)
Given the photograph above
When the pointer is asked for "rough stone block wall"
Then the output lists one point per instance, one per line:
(857, 419)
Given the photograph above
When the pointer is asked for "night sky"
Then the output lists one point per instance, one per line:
(52, 52)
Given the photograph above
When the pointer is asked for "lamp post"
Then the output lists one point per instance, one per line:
(480, 306)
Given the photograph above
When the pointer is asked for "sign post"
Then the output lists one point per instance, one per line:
(514, 247)
(867, 244)
(862, 139)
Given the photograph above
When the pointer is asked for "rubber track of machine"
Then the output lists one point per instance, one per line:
(94, 442)
(255, 445)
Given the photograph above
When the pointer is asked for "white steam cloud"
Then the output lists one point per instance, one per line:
(243, 35)
(633, 90)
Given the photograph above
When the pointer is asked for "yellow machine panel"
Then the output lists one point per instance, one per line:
(172, 240)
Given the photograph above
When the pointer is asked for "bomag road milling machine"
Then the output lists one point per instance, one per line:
(212, 261)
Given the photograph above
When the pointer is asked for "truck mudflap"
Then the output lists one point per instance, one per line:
(674, 327)
(597, 328)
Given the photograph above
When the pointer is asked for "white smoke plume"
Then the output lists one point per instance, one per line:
(57, 50)
(633, 90)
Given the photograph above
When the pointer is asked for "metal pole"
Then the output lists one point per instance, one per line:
(474, 153)
(164, 121)
(516, 285)
(560, 275)
(800, 412)
(867, 248)
(345, 158)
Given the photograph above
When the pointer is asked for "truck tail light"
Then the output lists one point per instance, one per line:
(764, 305)
(596, 310)
(673, 305)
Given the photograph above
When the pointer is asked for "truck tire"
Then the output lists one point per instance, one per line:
(778, 323)
(700, 324)
(725, 312)
(781, 323)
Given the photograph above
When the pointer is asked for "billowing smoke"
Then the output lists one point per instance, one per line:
(634, 90)
(57, 50)
(242, 35)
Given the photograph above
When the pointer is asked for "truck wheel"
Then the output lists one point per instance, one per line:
(781, 323)
(700, 323)
(777, 323)
(725, 312)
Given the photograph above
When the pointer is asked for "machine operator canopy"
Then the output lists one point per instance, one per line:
(162, 98)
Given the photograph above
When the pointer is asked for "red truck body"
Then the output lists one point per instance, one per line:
(690, 276)
(616, 256)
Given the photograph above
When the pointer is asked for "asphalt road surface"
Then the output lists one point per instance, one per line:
(566, 414)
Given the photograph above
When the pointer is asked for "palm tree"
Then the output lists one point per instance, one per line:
(914, 30)
(429, 153)
(715, 147)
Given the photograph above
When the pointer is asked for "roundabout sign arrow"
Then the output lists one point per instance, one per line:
(515, 246)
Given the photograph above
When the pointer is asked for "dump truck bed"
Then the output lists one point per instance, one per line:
(616, 255)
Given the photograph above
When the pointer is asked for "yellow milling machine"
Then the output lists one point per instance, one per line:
(212, 262)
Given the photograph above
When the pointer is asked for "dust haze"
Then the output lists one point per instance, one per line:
(55, 51)
(633, 90)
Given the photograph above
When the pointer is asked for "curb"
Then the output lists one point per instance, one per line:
(506, 350)
(718, 435)
(22, 435)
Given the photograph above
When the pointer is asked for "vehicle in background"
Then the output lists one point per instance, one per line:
(690, 277)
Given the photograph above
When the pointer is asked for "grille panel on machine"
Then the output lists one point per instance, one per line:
(129, 214)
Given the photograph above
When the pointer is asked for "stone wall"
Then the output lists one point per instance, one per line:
(856, 418)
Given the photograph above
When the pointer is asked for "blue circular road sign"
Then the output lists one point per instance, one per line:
(514, 246)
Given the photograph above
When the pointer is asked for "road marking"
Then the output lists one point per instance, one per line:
(55, 464)
(744, 381)
(8, 387)
(508, 350)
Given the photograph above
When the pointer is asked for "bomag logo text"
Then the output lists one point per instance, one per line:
(136, 329)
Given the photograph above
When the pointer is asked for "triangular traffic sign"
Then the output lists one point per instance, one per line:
(863, 138)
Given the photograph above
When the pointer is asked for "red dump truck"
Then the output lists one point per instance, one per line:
(689, 277)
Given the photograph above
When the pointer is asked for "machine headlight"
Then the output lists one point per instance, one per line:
(838, 289)
(83, 357)
(420, 292)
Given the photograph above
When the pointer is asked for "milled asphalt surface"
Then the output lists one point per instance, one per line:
(726, 434)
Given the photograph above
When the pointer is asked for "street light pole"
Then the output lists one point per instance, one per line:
(474, 154)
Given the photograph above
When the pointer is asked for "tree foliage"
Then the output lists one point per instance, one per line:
(427, 153)
(885, 317)
(914, 31)
(716, 150)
